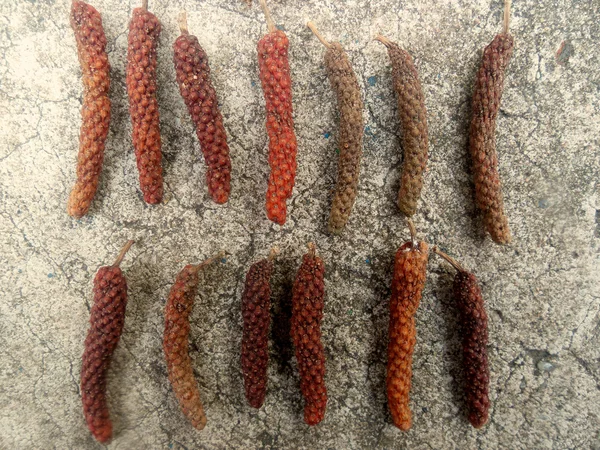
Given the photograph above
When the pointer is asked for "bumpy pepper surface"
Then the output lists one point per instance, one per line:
(344, 83)
(413, 117)
(91, 48)
(256, 312)
(489, 85)
(410, 270)
(107, 317)
(474, 328)
(276, 83)
(193, 77)
(307, 313)
(175, 345)
(144, 29)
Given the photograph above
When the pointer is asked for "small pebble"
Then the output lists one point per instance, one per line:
(545, 366)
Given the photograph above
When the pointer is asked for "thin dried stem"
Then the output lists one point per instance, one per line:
(210, 260)
(506, 21)
(413, 230)
(450, 259)
(312, 249)
(315, 31)
(124, 250)
(270, 23)
(182, 20)
(145, 5)
(385, 41)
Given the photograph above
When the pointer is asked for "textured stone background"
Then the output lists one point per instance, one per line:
(542, 291)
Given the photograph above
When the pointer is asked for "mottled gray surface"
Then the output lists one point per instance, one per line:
(542, 291)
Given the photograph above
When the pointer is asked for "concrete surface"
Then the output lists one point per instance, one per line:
(542, 291)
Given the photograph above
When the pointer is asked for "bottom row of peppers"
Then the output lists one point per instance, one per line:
(108, 312)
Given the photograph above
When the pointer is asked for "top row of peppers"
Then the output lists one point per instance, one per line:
(193, 77)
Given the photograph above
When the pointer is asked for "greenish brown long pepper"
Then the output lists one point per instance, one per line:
(344, 83)
(413, 117)
(489, 85)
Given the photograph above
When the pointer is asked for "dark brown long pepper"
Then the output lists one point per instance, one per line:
(144, 29)
(413, 117)
(410, 270)
(350, 105)
(176, 341)
(95, 114)
(276, 82)
(489, 85)
(256, 312)
(106, 324)
(307, 314)
(474, 329)
(193, 77)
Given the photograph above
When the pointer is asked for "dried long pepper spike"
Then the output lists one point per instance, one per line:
(413, 117)
(307, 313)
(193, 77)
(474, 329)
(489, 85)
(95, 114)
(276, 83)
(106, 324)
(175, 342)
(344, 83)
(256, 312)
(410, 270)
(144, 29)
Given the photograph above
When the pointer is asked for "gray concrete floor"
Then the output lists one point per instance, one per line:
(542, 291)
